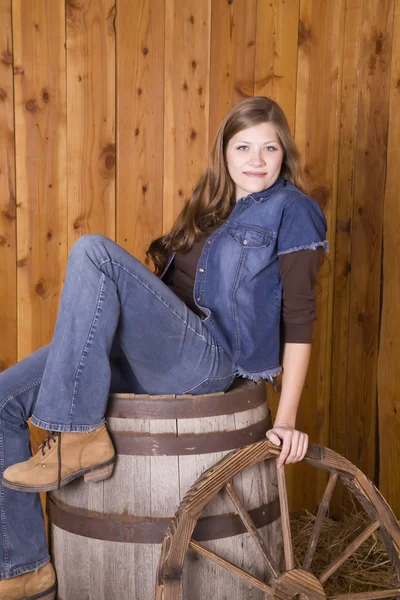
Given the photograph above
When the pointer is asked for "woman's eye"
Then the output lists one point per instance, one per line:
(271, 148)
(240, 147)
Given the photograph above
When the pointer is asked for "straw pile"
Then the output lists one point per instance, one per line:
(368, 569)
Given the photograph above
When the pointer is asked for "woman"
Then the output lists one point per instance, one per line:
(232, 295)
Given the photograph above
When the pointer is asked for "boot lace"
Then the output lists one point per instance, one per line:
(46, 445)
(53, 436)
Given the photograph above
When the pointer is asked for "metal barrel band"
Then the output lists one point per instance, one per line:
(147, 530)
(165, 444)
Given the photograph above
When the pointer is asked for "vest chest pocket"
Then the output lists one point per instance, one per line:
(251, 237)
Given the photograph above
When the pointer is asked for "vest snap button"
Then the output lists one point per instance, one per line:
(201, 270)
(245, 242)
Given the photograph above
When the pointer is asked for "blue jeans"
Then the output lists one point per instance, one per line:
(119, 328)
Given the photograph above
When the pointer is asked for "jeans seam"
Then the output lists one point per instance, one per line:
(3, 512)
(157, 296)
(85, 352)
(20, 391)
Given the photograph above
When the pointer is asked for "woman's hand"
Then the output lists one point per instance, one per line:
(294, 443)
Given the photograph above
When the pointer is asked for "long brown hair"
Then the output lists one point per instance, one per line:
(214, 195)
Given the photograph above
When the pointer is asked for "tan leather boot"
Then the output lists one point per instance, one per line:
(62, 458)
(35, 585)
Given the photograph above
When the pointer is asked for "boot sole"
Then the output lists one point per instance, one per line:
(49, 594)
(97, 473)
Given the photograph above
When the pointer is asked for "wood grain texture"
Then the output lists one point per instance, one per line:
(233, 42)
(140, 124)
(153, 486)
(40, 130)
(316, 134)
(277, 52)
(187, 65)
(366, 247)
(8, 249)
(291, 582)
(91, 117)
(344, 218)
(388, 364)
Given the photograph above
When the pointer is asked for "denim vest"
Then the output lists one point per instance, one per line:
(238, 285)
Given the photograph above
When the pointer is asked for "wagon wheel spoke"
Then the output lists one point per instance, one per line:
(378, 595)
(322, 510)
(287, 535)
(253, 531)
(351, 548)
(226, 564)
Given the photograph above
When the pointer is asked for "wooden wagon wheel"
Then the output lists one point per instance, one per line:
(284, 584)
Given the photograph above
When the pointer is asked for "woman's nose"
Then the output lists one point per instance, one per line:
(257, 158)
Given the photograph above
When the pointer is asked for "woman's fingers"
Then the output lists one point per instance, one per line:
(273, 437)
(294, 444)
(286, 447)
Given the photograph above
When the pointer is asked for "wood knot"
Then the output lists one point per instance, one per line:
(3, 240)
(110, 161)
(49, 235)
(139, 91)
(180, 193)
(144, 189)
(137, 131)
(193, 134)
(19, 70)
(185, 86)
(45, 96)
(6, 57)
(305, 35)
(107, 160)
(194, 64)
(145, 51)
(200, 91)
(31, 105)
(360, 210)
(40, 288)
(3, 94)
(191, 19)
(360, 317)
(78, 223)
(379, 44)
(22, 262)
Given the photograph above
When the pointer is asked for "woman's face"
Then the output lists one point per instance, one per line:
(254, 157)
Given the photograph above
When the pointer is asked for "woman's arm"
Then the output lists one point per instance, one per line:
(296, 358)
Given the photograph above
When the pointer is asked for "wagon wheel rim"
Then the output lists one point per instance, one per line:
(287, 583)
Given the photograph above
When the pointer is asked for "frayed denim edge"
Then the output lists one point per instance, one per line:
(313, 246)
(269, 374)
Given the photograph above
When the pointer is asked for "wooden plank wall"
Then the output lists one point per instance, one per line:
(107, 110)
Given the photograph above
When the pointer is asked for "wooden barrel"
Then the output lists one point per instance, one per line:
(106, 536)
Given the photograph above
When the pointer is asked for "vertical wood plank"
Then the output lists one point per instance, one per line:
(39, 84)
(276, 53)
(320, 47)
(341, 259)
(91, 117)
(366, 250)
(187, 64)
(389, 335)
(233, 42)
(140, 123)
(8, 250)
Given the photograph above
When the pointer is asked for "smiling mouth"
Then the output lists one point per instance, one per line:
(251, 174)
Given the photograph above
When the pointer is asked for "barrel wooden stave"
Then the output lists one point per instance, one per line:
(153, 486)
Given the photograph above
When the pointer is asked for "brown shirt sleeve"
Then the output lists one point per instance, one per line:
(298, 271)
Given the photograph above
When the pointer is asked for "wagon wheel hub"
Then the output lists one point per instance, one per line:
(298, 584)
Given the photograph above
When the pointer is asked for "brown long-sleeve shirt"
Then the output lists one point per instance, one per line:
(298, 271)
